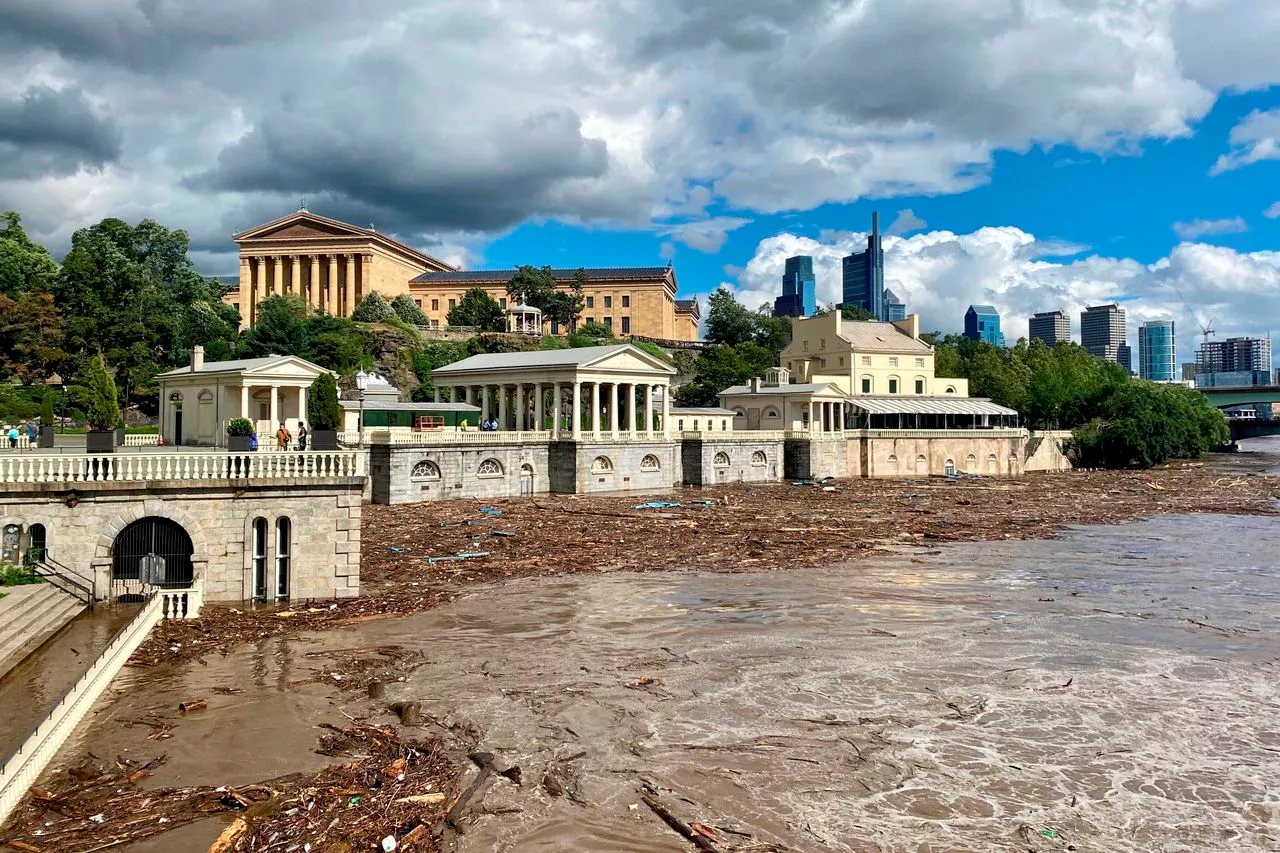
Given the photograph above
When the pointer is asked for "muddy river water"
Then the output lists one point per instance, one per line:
(1116, 689)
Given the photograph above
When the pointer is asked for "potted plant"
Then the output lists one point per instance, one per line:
(46, 419)
(103, 411)
(238, 432)
(322, 413)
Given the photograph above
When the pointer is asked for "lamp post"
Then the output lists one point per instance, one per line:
(362, 383)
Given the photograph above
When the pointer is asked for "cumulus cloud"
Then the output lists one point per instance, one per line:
(940, 273)
(706, 235)
(1272, 212)
(1198, 228)
(53, 132)
(1253, 140)
(448, 117)
(905, 222)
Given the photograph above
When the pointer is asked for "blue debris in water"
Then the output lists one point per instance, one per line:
(394, 550)
(491, 511)
(657, 505)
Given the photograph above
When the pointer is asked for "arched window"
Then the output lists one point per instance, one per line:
(993, 464)
(949, 467)
(770, 413)
(425, 470)
(721, 460)
(738, 412)
(154, 550)
(892, 463)
(922, 465)
(258, 558)
(37, 543)
(489, 468)
(526, 469)
(283, 551)
(971, 463)
(951, 390)
(758, 459)
(650, 463)
(920, 383)
(602, 465)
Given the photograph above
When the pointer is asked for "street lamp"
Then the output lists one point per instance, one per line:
(362, 383)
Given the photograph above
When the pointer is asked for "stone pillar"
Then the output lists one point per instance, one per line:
(539, 419)
(349, 288)
(595, 410)
(295, 274)
(519, 407)
(255, 290)
(613, 409)
(313, 292)
(577, 411)
(666, 411)
(555, 411)
(246, 292)
(484, 402)
(647, 391)
(275, 406)
(277, 264)
(244, 401)
(302, 404)
(502, 407)
(363, 276)
(331, 287)
(435, 392)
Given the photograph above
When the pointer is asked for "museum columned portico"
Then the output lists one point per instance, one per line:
(333, 283)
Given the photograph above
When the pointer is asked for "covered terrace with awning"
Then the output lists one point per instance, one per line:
(912, 412)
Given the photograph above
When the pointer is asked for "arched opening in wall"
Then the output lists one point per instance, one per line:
(971, 464)
(721, 460)
(425, 470)
(37, 543)
(526, 478)
(650, 463)
(153, 552)
(993, 464)
(950, 390)
(489, 468)
(258, 558)
(284, 551)
(11, 544)
(922, 465)
(949, 467)
(771, 413)
(891, 464)
(758, 459)
(602, 465)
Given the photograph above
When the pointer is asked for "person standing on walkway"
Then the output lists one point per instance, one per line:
(302, 436)
(282, 437)
(13, 438)
(33, 435)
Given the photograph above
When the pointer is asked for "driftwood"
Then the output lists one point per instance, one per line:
(192, 705)
(686, 830)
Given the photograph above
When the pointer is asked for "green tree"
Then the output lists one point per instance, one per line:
(24, 265)
(728, 322)
(407, 310)
(426, 357)
(1143, 424)
(103, 410)
(533, 286)
(479, 310)
(46, 407)
(373, 308)
(855, 312)
(322, 403)
(336, 343)
(31, 337)
(591, 335)
(280, 330)
(722, 366)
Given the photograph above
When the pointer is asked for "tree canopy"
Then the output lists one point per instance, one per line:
(479, 310)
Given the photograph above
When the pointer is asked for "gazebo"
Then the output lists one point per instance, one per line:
(615, 390)
(524, 320)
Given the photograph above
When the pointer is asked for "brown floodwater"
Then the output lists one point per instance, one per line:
(1114, 689)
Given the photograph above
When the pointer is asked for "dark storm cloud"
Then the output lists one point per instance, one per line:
(48, 131)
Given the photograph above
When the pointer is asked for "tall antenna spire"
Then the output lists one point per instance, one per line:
(875, 223)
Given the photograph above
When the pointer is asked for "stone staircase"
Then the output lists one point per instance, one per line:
(30, 615)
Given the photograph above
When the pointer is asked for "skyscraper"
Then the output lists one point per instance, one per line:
(863, 275)
(1050, 327)
(1103, 334)
(1157, 351)
(894, 308)
(982, 323)
(799, 289)
(1234, 354)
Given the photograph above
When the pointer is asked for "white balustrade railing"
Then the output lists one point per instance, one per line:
(133, 467)
(142, 439)
(735, 435)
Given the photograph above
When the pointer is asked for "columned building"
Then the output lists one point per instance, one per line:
(331, 265)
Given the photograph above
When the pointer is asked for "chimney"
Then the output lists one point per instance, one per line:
(755, 385)
(197, 358)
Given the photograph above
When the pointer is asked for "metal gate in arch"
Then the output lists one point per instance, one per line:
(155, 552)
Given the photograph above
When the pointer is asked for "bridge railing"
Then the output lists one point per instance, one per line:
(126, 467)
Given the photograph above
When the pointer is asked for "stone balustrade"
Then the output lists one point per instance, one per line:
(142, 439)
(139, 467)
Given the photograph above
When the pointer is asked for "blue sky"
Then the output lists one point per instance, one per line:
(1140, 136)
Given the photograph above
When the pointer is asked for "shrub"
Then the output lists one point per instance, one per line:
(46, 408)
(407, 310)
(322, 403)
(373, 308)
(239, 427)
(103, 412)
(11, 575)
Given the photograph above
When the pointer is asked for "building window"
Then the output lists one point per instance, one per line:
(650, 463)
(695, 426)
(770, 413)
(236, 307)
(626, 301)
(841, 361)
(680, 425)
(425, 470)
(418, 302)
(591, 303)
(724, 425)
(721, 460)
(971, 463)
(453, 303)
(758, 459)
(893, 385)
(893, 361)
(591, 319)
(806, 346)
(626, 325)
(608, 302)
(37, 543)
(919, 386)
(602, 465)
(919, 362)
(489, 468)
(608, 321)
(258, 558)
(822, 343)
(866, 361)
(739, 413)
(435, 304)
(866, 385)
(282, 557)
(502, 303)
(949, 467)
(892, 463)
(950, 390)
